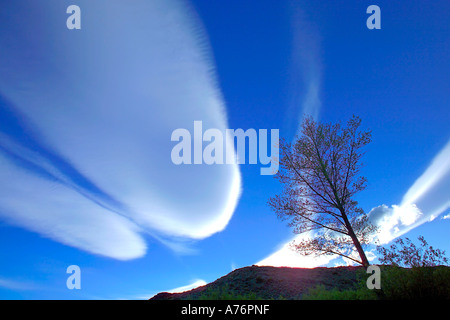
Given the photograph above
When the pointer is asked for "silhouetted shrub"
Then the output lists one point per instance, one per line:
(410, 255)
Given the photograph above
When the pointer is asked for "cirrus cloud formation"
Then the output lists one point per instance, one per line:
(86, 120)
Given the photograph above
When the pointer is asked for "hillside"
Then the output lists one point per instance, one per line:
(273, 282)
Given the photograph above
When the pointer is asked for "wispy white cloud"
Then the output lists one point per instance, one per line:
(17, 284)
(195, 284)
(60, 213)
(307, 70)
(306, 66)
(447, 216)
(434, 178)
(101, 106)
(430, 190)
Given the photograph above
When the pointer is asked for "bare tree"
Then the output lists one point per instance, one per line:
(320, 175)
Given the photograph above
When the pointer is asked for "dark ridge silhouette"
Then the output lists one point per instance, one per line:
(273, 282)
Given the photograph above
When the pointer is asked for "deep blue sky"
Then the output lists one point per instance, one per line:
(395, 79)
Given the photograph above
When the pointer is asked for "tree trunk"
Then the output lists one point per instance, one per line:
(359, 248)
(355, 240)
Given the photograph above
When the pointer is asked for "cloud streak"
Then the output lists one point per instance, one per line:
(425, 200)
(307, 66)
(87, 140)
(430, 190)
(17, 285)
(195, 284)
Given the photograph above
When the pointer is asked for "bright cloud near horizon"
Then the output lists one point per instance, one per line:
(195, 284)
(87, 145)
(285, 256)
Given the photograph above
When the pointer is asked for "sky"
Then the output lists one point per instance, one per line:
(87, 116)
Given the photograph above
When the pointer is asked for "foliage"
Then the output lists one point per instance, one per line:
(225, 293)
(407, 254)
(321, 293)
(320, 175)
(359, 292)
(417, 283)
